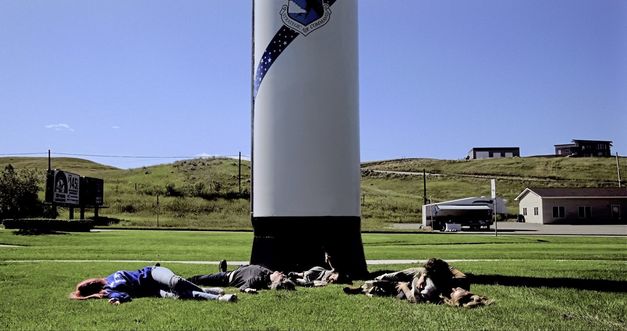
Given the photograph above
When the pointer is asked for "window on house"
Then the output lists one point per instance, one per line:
(524, 211)
(558, 212)
(585, 212)
(615, 210)
(535, 211)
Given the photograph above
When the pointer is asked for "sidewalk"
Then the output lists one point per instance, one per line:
(538, 229)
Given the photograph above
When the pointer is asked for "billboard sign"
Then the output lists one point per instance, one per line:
(65, 188)
(92, 192)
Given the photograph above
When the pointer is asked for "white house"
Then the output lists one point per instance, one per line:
(573, 205)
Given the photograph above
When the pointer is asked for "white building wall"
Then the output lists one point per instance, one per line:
(599, 207)
(531, 201)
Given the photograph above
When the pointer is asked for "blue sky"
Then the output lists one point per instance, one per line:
(172, 78)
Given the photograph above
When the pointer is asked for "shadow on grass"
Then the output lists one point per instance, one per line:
(37, 232)
(600, 285)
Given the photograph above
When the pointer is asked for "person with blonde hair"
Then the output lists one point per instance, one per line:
(124, 285)
(460, 297)
(430, 283)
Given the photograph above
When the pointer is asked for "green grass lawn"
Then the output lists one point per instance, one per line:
(549, 282)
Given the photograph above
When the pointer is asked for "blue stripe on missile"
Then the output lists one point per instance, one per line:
(277, 45)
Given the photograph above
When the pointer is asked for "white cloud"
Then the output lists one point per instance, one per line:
(115, 127)
(59, 127)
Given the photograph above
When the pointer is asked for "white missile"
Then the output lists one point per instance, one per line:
(306, 165)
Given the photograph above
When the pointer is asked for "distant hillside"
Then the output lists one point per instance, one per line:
(393, 190)
(205, 193)
(80, 166)
(599, 171)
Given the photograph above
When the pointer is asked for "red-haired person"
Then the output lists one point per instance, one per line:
(122, 286)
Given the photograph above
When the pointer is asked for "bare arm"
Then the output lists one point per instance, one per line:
(420, 284)
(409, 294)
(327, 259)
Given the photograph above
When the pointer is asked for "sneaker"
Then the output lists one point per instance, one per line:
(228, 298)
(222, 266)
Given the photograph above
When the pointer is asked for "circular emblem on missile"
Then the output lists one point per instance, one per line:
(300, 17)
(305, 16)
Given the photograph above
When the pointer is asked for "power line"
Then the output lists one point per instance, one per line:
(128, 156)
(122, 156)
(21, 154)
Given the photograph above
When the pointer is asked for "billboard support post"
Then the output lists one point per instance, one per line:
(494, 209)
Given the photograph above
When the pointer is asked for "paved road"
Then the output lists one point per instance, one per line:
(539, 229)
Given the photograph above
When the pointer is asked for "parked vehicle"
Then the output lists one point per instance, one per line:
(473, 213)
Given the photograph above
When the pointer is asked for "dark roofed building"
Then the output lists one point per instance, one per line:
(492, 152)
(573, 205)
(585, 148)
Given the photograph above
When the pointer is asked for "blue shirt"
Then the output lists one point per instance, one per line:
(123, 285)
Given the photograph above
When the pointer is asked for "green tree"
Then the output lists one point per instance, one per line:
(18, 193)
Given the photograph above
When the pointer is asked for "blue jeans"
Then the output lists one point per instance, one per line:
(177, 286)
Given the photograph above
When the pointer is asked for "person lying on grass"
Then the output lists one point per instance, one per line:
(319, 276)
(460, 297)
(316, 276)
(122, 286)
(248, 278)
(435, 282)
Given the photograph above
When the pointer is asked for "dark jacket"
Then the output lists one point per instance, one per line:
(250, 276)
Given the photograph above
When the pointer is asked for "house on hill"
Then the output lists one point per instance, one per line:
(492, 152)
(573, 205)
(585, 148)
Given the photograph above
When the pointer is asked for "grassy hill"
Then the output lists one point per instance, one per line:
(393, 194)
(205, 193)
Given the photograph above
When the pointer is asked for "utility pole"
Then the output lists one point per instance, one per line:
(424, 186)
(48, 175)
(494, 210)
(158, 210)
(618, 169)
(239, 174)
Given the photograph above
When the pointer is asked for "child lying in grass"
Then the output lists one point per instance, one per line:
(122, 286)
(435, 282)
